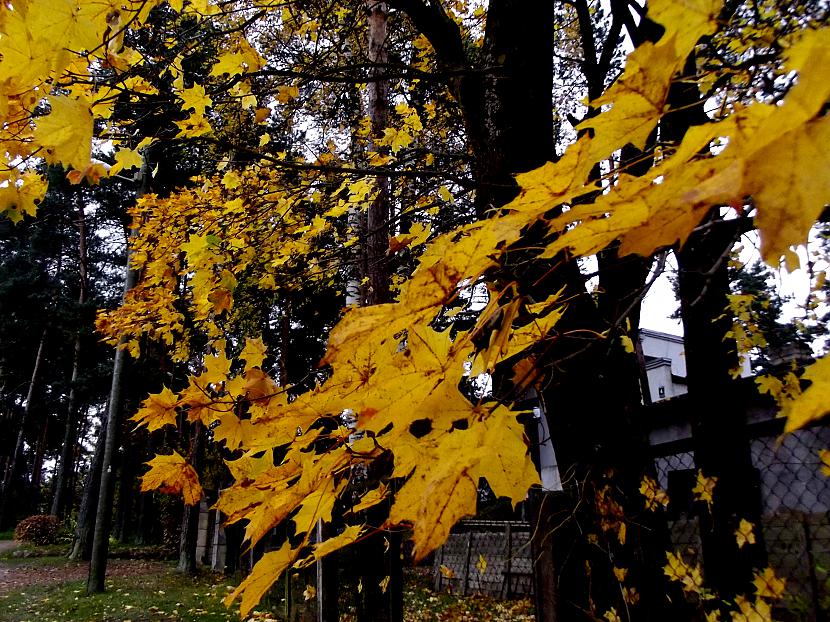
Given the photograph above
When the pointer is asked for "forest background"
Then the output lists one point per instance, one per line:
(363, 238)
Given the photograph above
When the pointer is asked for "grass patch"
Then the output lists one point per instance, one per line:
(7, 535)
(31, 551)
(143, 591)
(163, 596)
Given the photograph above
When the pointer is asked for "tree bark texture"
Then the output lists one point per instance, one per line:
(9, 477)
(719, 432)
(100, 540)
(62, 499)
(190, 515)
(377, 218)
(85, 527)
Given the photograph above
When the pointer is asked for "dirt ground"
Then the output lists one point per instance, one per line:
(18, 574)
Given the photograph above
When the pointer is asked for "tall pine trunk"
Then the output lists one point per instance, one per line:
(85, 527)
(381, 599)
(100, 539)
(62, 499)
(9, 477)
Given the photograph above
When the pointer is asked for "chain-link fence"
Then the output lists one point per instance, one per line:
(490, 557)
(794, 528)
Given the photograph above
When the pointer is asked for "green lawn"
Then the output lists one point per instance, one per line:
(149, 591)
(164, 595)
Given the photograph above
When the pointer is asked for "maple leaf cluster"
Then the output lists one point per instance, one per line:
(390, 365)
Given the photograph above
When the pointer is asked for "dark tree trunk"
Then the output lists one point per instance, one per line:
(720, 438)
(10, 476)
(719, 431)
(377, 219)
(190, 515)
(377, 602)
(100, 540)
(62, 499)
(82, 544)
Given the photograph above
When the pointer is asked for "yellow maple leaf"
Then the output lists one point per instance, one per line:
(744, 533)
(249, 466)
(814, 401)
(194, 126)
(655, 496)
(704, 488)
(447, 572)
(371, 498)
(231, 180)
(196, 99)
(767, 585)
(396, 139)
(231, 63)
(253, 353)
(221, 299)
(263, 575)
(69, 22)
(779, 222)
(690, 577)
(481, 564)
(158, 410)
(612, 616)
(286, 93)
(751, 611)
(27, 57)
(232, 430)
(172, 474)
(21, 196)
(348, 536)
(126, 159)
(66, 133)
(824, 456)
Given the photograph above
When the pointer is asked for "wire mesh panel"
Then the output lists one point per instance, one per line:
(489, 557)
(795, 498)
(676, 474)
(795, 515)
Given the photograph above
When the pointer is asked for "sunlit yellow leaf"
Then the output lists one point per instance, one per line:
(814, 402)
(744, 533)
(196, 99)
(768, 585)
(704, 488)
(264, 574)
(66, 133)
(157, 410)
(172, 474)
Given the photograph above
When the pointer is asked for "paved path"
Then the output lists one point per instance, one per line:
(5, 545)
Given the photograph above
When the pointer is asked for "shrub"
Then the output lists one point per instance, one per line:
(41, 529)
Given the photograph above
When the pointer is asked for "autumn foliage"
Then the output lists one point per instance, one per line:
(40, 529)
(391, 365)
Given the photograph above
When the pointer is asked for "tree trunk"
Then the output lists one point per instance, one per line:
(100, 540)
(380, 600)
(190, 515)
(62, 499)
(377, 219)
(12, 466)
(721, 442)
(82, 543)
